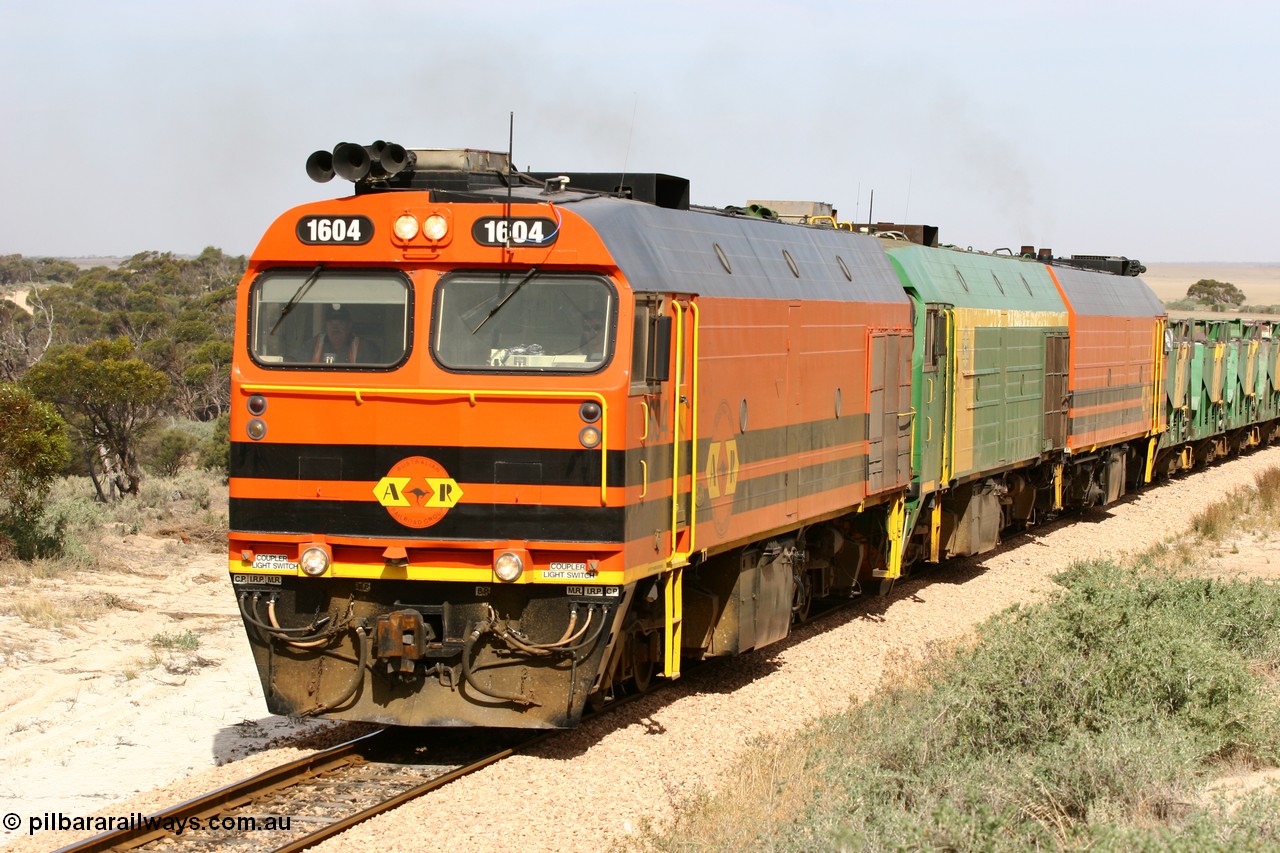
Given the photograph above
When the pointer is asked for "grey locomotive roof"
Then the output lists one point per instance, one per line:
(1096, 293)
(674, 250)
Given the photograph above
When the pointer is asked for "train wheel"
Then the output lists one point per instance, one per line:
(643, 653)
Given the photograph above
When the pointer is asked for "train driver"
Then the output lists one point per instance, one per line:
(338, 345)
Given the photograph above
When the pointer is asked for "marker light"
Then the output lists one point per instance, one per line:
(589, 411)
(508, 566)
(435, 227)
(257, 404)
(406, 227)
(314, 561)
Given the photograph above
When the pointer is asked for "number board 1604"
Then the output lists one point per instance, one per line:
(523, 231)
(329, 230)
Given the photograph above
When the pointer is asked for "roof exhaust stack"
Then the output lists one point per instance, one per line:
(357, 163)
(320, 167)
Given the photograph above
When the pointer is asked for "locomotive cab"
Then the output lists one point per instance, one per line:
(429, 498)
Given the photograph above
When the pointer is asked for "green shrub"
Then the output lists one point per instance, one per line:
(33, 449)
(167, 452)
(187, 641)
(1087, 721)
(215, 450)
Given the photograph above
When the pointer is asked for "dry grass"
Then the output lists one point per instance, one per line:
(1219, 518)
(1267, 486)
(769, 777)
(41, 610)
(189, 510)
(1250, 509)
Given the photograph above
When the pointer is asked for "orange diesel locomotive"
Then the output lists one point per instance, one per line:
(503, 444)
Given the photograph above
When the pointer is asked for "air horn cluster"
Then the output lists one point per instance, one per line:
(358, 162)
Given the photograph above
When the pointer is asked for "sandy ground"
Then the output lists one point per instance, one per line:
(95, 712)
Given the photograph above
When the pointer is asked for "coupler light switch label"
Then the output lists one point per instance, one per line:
(274, 563)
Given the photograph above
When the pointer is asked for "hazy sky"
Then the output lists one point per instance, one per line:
(1149, 129)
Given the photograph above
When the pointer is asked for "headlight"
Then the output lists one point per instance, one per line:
(508, 566)
(314, 561)
(589, 437)
(406, 227)
(435, 227)
(256, 429)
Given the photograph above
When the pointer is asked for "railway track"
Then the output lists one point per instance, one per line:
(301, 803)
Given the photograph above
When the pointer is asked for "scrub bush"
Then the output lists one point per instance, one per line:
(1090, 720)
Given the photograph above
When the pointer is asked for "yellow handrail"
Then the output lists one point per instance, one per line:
(678, 556)
(693, 429)
(675, 425)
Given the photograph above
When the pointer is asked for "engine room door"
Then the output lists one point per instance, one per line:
(889, 412)
(1057, 351)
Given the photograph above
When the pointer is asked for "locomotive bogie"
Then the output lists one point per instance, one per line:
(442, 654)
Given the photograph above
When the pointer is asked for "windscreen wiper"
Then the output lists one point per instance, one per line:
(302, 289)
(527, 278)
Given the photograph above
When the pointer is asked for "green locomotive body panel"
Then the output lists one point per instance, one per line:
(983, 405)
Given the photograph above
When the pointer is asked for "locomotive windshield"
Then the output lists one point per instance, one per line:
(329, 319)
(523, 321)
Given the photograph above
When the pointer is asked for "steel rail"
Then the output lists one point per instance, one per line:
(340, 826)
(228, 796)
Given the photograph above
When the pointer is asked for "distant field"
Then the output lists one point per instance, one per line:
(1260, 282)
(111, 262)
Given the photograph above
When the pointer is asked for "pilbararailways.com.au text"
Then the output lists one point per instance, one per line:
(137, 820)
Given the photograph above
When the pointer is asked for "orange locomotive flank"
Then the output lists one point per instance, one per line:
(586, 431)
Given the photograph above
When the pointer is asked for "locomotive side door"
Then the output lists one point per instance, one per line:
(889, 424)
(663, 413)
(933, 419)
(1057, 393)
(684, 425)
